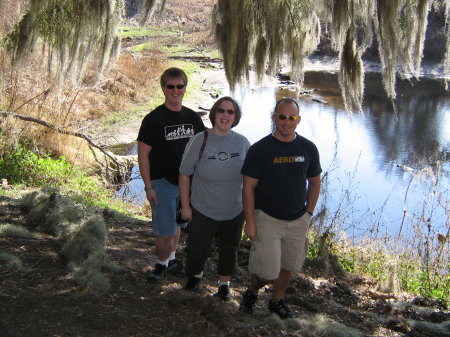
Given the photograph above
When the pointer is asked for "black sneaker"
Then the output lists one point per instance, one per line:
(281, 309)
(157, 273)
(176, 268)
(192, 283)
(248, 302)
(223, 293)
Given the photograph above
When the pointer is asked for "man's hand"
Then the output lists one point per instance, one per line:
(250, 230)
(151, 196)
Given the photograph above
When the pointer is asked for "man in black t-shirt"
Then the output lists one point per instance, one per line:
(162, 137)
(281, 189)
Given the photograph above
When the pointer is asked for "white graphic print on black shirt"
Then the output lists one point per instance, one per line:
(173, 132)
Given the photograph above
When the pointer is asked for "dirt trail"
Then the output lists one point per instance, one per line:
(43, 300)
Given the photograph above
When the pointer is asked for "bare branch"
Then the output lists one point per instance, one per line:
(62, 131)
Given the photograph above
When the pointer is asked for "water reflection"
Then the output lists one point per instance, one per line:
(256, 107)
(374, 149)
(372, 159)
(385, 164)
(415, 132)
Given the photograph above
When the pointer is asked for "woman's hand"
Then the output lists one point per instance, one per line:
(186, 213)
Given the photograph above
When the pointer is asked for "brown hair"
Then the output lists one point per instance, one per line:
(173, 73)
(237, 110)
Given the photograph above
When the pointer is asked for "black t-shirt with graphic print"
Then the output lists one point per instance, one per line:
(167, 132)
(282, 169)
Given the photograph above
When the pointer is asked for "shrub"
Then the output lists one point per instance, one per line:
(30, 169)
(25, 167)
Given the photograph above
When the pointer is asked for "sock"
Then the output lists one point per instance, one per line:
(164, 263)
(221, 283)
(199, 275)
(172, 256)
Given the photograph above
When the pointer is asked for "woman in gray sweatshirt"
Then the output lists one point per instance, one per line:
(212, 198)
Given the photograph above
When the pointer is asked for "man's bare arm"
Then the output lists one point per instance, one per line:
(313, 193)
(144, 168)
(248, 199)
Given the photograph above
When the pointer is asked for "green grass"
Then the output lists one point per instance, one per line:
(424, 280)
(139, 48)
(147, 31)
(412, 274)
(158, 38)
(165, 45)
(179, 49)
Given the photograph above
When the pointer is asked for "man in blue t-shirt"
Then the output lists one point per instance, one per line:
(161, 141)
(281, 188)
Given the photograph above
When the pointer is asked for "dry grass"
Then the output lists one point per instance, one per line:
(193, 17)
(133, 80)
(29, 92)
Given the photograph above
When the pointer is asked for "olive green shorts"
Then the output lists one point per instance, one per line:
(279, 244)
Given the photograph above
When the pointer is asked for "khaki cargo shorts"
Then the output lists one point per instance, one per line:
(279, 244)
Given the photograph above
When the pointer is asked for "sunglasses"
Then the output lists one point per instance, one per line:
(178, 86)
(221, 111)
(283, 117)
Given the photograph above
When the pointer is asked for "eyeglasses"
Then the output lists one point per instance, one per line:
(178, 86)
(283, 117)
(221, 111)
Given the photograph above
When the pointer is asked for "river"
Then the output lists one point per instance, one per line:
(387, 169)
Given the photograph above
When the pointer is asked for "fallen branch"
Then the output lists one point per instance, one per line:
(62, 131)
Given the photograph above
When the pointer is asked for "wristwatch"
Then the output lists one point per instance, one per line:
(148, 188)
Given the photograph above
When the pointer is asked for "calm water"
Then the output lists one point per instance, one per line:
(384, 167)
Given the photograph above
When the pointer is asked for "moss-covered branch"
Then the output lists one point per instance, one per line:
(266, 35)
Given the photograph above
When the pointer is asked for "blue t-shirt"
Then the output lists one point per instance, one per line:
(282, 170)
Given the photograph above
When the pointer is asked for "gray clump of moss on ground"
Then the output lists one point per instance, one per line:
(83, 237)
(15, 231)
(50, 212)
(11, 262)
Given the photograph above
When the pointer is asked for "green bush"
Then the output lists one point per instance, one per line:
(416, 278)
(24, 167)
(27, 168)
